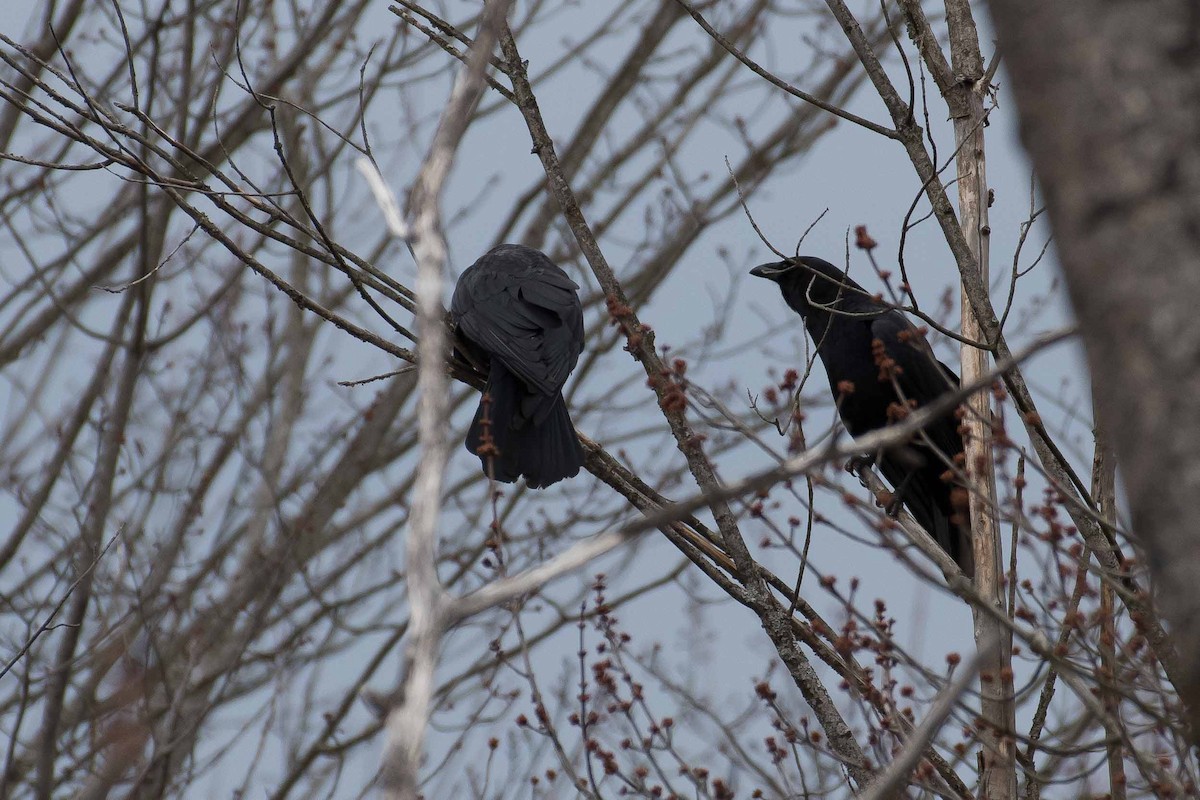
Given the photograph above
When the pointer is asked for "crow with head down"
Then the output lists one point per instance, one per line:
(879, 366)
(517, 319)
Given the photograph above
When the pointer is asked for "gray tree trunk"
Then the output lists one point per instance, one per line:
(1109, 99)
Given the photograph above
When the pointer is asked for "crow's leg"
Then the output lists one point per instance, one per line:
(860, 462)
(892, 509)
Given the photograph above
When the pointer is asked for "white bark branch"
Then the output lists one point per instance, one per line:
(406, 724)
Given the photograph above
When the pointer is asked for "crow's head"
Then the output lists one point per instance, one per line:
(807, 282)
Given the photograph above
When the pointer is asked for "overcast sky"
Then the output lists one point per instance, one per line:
(861, 179)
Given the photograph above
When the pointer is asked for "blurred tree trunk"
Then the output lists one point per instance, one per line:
(1109, 98)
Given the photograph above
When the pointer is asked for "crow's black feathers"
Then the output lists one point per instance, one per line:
(518, 319)
(869, 351)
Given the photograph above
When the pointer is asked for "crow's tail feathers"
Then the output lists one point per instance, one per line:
(928, 498)
(549, 451)
(543, 447)
(490, 432)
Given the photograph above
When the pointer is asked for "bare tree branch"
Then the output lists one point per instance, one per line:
(896, 774)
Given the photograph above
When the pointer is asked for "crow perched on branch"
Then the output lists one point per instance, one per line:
(517, 318)
(870, 351)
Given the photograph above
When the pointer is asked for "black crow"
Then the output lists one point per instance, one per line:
(518, 319)
(869, 350)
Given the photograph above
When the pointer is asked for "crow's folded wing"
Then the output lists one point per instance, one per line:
(922, 377)
(563, 341)
(532, 323)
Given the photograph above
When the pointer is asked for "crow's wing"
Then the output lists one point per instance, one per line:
(562, 342)
(922, 377)
(531, 321)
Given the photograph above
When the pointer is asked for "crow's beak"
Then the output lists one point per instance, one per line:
(769, 271)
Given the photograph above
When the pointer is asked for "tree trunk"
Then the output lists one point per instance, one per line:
(1109, 97)
(998, 774)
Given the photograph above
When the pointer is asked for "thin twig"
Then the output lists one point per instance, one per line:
(896, 774)
(782, 84)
